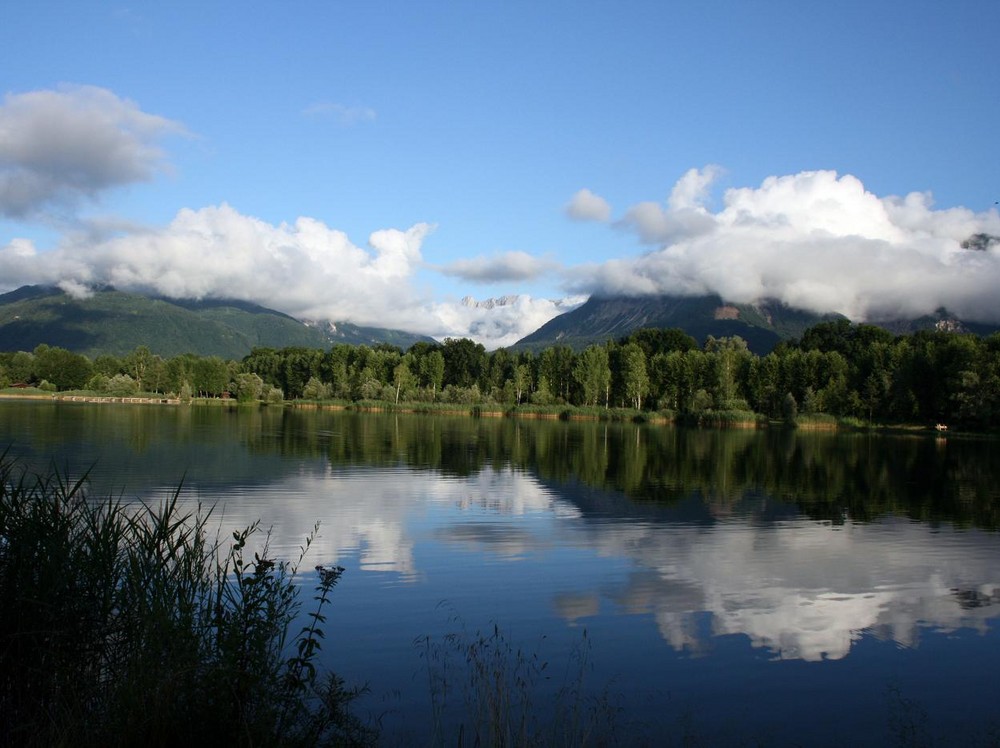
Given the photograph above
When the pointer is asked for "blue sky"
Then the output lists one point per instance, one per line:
(378, 161)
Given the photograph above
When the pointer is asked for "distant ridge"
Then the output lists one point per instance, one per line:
(115, 322)
(941, 321)
(762, 325)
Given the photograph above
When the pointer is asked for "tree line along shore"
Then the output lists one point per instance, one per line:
(837, 373)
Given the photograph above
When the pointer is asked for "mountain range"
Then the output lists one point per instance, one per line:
(762, 325)
(110, 321)
(115, 322)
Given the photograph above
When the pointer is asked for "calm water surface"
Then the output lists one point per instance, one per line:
(726, 587)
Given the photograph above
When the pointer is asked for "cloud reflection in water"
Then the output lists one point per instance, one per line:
(800, 589)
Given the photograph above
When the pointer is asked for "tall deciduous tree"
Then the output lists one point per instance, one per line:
(21, 367)
(62, 368)
(731, 358)
(463, 361)
(210, 376)
(593, 373)
(334, 369)
(556, 365)
(635, 378)
(136, 363)
(521, 382)
(402, 376)
(265, 363)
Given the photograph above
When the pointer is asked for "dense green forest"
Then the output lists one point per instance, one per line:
(836, 369)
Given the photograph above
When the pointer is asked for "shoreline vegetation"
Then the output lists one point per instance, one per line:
(708, 419)
(837, 376)
(745, 419)
(113, 608)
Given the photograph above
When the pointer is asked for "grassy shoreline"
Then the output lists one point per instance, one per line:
(709, 419)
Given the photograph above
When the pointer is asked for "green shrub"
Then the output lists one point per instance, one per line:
(127, 625)
(317, 390)
(98, 383)
(248, 387)
(122, 385)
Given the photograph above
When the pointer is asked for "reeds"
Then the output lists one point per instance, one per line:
(486, 691)
(131, 625)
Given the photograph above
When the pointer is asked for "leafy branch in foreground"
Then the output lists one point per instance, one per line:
(127, 625)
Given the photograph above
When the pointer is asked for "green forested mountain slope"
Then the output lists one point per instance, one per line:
(761, 325)
(114, 322)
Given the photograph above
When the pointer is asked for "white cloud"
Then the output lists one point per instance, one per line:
(373, 517)
(802, 591)
(815, 240)
(500, 323)
(343, 115)
(60, 147)
(798, 590)
(76, 290)
(685, 215)
(586, 206)
(508, 266)
(21, 265)
(304, 269)
(691, 190)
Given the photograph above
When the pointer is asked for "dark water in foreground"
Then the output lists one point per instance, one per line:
(717, 587)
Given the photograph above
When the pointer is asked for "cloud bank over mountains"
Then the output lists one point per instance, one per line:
(815, 240)
(305, 269)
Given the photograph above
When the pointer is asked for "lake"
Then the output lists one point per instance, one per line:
(697, 587)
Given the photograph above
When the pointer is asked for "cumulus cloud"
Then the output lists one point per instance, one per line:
(305, 269)
(508, 266)
(814, 240)
(58, 147)
(684, 216)
(586, 206)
